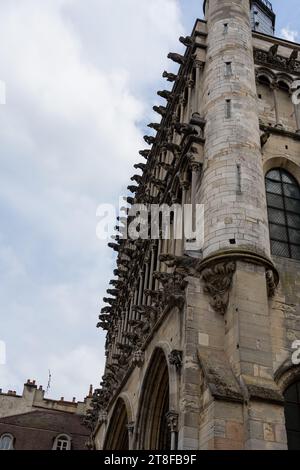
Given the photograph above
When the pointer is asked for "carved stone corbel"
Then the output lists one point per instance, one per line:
(172, 420)
(175, 359)
(218, 281)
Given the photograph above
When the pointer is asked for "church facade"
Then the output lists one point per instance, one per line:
(201, 349)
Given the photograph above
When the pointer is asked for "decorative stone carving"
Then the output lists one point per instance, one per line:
(187, 41)
(175, 359)
(172, 420)
(185, 129)
(167, 95)
(130, 427)
(160, 110)
(178, 58)
(171, 147)
(271, 282)
(137, 178)
(288, 64)
(149, 139)
(173, 293)
(171, 77)
(264, 138)
(102, 417)
(138, 358)
(218, 281)
(155, 126)
(145, 153)
(185, 265)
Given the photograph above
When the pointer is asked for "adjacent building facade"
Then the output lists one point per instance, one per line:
(32, 422)
(201, 342)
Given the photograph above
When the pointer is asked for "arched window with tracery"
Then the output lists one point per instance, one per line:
(292, 415)
(283, 199)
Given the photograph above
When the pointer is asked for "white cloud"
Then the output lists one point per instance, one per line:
(80, 79)
(289, 34)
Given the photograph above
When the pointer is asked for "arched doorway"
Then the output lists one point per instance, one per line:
(117, 434)
(153, 431)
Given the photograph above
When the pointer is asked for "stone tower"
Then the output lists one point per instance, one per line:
(202, 340)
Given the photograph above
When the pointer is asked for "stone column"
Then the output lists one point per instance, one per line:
(195, 168)
(151, 269)
(184, 184)
(172, 420)
(297, 115)
(147, 269)
(130, 429)
(140, 297)
(274, 87)
(190, 85)
(199, 68)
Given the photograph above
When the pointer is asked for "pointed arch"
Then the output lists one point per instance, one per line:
(152, 432)
(117, 433)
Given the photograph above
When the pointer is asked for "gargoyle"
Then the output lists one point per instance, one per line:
(145, 153)
(187, 41)
(178, 58)
(160, 110)
(155, 126)
(171, 77)
(167, 95)
(149, 139)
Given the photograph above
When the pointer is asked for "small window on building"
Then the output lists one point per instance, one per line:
(228, 109)
(6, 442)
(228, 69)
(225, 28)
(62, 442)
(283, 198)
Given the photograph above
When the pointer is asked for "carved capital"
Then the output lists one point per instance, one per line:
(218, 281)
(194, 165)
(199, 64)
(138, 358)
(175, 359)
(130, 428)
(184, 184)
(102, 417)
(172, 420)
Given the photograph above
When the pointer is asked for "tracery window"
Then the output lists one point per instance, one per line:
(283, 198)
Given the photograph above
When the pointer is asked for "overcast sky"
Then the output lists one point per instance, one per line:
(81, 79)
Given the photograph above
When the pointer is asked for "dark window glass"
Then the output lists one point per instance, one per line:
(283, 199)
(292, 415)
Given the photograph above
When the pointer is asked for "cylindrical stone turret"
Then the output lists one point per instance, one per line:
(233, 188)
